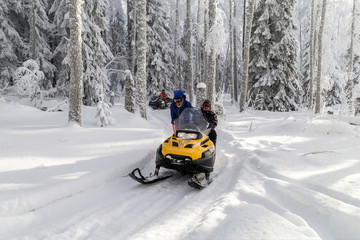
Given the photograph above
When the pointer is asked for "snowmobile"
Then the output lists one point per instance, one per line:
(188, 150)
(157, 103)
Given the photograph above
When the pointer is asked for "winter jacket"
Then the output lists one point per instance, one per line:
(175, 111)
(163, 95)
(210, 117)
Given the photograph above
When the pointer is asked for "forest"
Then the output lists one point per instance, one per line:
(274, 55)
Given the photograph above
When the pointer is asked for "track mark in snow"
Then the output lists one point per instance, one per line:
(319, 152)
(338, 210)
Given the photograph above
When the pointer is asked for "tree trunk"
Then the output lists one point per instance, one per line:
(129, 92)
(311, 56)
(351, 63)
(133, 41)
(206, 28)
(235, 57)
(211, 64)
(76, 63)
(231, 52)
(141, 59)
(246, 56)
(176, 43)
(32, 37)
(243, 30)
(189, 76)
(320, 39)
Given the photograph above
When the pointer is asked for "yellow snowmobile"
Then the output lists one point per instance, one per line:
(188, 150)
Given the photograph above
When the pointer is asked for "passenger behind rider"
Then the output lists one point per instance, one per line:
(178, 105)
(211, 118)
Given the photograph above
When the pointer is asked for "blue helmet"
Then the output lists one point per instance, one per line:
(179, 94)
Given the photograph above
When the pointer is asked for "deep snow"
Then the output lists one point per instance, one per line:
(278, 176)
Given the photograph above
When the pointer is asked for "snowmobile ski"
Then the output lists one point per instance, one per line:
(149, 179)
(199, 183)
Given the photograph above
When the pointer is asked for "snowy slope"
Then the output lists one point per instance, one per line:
(278, 176)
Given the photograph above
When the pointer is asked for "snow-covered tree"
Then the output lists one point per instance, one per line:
(311, 55)
(76, 63)
(129, 92)
(305, 11)
(96, 52)
(236, 53)
(131, 33)
(28, 78)
(210, 41)
(274, 83)
(319, 58)
(200, 94)
(189, 77)
(176, 77)
(60, 15)
(117, 29)
(231, 51)
(351, 61)
(141, 59)
(160, 66)
(11, 43)
(40, 30)
(103, 113)
(246, 55)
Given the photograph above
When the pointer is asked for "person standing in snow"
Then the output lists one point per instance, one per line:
(163, 95)
(178, 105)
(211, 118)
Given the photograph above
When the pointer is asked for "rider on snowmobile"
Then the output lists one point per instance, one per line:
(178, 105)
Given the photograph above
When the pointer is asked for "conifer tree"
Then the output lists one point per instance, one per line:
(160, 66)
(40, 30)
(96, 52)
(274, 83)
(11, 43)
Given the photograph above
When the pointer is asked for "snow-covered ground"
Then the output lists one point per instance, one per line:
(278, 176)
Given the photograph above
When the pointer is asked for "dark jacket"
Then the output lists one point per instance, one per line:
(210, 117)
(175, 111)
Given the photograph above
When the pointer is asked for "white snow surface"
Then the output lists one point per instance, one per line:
(288, 175)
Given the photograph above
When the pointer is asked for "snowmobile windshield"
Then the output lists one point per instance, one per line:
(191, 119)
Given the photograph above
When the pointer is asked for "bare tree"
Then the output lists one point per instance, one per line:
(141, 58)
(76, 63)
(246, 53)
(189, 76)
(320, 41)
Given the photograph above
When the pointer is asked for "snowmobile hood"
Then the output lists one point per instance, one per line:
(188, 148)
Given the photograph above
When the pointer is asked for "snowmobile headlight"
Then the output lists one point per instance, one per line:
(205, 154)
(185, 135)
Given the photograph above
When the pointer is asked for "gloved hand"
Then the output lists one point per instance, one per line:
(212, 125)
(172, 122)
